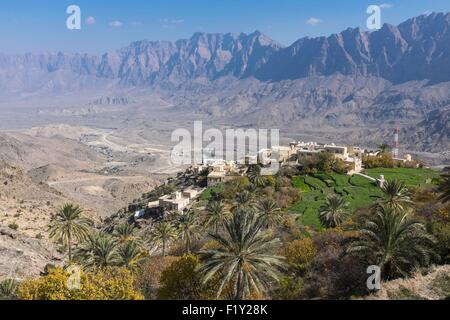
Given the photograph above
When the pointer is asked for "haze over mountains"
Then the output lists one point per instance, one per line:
(417, 49)
(396, 76)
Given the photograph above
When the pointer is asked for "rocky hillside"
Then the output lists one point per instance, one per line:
(25, 205)
(25, 211)
(434, 130)
(31, 149)
(23, 256)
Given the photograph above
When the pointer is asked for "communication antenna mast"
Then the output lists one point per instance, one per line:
(396, 146)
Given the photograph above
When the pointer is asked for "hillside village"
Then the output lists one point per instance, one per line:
(220, 171)
(100, 198)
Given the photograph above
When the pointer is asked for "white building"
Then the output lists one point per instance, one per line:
(338, 151)
(174, 202)
(178, 201)
(192, 193)
(351, 156)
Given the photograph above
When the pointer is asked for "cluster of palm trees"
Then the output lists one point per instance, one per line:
(95, 249)
(186, 226)
(243, 258)
(392, 238)
(395, 242)
(335, 209)
(121, 249)
(243, 255)
(189, 225)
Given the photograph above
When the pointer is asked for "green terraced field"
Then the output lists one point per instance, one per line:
(412, 177)
(359, 192)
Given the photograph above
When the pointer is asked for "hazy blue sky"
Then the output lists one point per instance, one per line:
(38, 25)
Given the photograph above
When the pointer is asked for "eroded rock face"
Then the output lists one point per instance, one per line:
(22, 256)
(416, 49)
(25, 211)
(432, 133)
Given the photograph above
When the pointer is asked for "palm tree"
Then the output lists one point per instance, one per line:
(252, 188)
(216, 214)
(69, 225)
(124, 233)
(130, 254)
(99, 251)
(269, 213)
(189, 227)
(444, 189)
(397, 243)
(254, 174)
(333, 212)
(171, 216)
(163, 233)
(396, 195)
(244, 260)
(244, 200)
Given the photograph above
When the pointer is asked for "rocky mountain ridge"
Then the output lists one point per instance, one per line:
(417, 49)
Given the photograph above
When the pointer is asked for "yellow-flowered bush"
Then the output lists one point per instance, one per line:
(106, 284)
(300, 253)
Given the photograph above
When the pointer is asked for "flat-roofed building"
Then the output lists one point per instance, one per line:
(174, 202)
(338, 151)
(229, 172)
(307, 154)
(153, 204)
(192, 193)
(216, 177)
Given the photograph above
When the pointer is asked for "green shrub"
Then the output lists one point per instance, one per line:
(8, 289)
(13, 226)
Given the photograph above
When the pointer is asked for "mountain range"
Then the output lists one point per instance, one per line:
(417, 49)
(397, 75)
